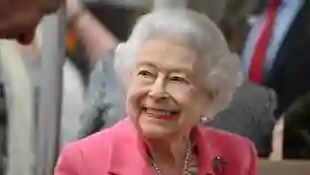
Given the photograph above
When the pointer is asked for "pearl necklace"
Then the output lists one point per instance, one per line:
(187, 161)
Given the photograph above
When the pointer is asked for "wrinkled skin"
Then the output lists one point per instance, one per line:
(19, 18)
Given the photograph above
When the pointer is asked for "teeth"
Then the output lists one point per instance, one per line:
(158, 112)
(167, 113)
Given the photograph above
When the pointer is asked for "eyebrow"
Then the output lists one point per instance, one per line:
(176, 70)
(144, 63)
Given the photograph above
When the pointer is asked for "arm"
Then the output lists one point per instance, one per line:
(96, 38)
(104, 97)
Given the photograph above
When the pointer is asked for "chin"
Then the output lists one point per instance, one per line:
(155, 131)
(152, 133)
(156, 128)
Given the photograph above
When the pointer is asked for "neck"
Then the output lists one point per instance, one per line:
(169, 152)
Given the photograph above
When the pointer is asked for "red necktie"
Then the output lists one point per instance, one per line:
(257, 61)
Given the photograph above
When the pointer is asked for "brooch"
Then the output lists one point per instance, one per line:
(218, 164)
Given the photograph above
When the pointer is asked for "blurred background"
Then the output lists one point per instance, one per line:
(274, 113)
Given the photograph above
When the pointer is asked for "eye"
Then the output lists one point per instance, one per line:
(178, 79)
(145, 73)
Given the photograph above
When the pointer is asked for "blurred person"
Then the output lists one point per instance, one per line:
(250, 114)
(18, 103)
(276, 55)
(168, 94)
(19, 18)
(29, 57)
(230, 16)
(253, 105)
(73, 88)
(277, 50)
(235, 22)
(96, 35)
(296, 139)
(115, 21)
(25, 60)
(215, 10)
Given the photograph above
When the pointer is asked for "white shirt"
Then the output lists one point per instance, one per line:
(284, 18)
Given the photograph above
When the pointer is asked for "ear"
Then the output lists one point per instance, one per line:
(126, 81)
(210, 105)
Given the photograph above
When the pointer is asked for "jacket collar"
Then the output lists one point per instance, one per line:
(122, 164)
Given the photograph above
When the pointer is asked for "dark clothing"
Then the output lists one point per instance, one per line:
(250, 114)
(289, 76)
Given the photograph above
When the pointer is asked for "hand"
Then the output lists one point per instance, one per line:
(74, 7)
(19, 18)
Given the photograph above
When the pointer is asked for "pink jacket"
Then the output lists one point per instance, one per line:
(119, 151)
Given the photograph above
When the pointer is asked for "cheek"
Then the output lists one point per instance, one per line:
(184, 95)
(190, 99)
(135, 96)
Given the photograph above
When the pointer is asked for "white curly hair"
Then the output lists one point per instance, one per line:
(198, 32)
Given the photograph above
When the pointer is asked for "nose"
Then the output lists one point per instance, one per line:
(158, 90)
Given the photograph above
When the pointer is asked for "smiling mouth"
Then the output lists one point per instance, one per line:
(162, 114)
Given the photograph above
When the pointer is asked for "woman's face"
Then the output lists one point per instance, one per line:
(165, 95)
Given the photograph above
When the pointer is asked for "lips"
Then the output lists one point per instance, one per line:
(164, 114)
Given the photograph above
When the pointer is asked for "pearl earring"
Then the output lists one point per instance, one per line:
(204, 119)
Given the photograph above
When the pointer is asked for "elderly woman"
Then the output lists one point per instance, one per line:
(178, 72)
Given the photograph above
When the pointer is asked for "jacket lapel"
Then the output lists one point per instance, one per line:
(207, 152)
(129, 156)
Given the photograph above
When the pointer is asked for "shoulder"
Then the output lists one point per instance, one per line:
(93, 150)
(221, 136)
(229, 144)
(101, 141)
(247, 89)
